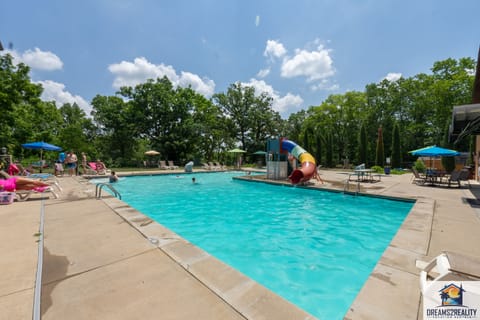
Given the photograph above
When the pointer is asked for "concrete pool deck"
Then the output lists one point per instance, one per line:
(105, 260)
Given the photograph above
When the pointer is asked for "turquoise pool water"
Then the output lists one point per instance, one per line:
(314, 248)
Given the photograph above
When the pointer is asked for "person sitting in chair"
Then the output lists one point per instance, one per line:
(20, 183)
(99, 166)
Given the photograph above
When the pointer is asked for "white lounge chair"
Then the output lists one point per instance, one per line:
(448, 266)
(172, 165)
(163, 165)
(218, 165)
(213, 166)
(23, 195)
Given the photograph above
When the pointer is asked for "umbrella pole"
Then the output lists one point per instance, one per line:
(41, 159)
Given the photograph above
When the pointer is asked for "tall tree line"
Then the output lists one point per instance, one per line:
(184, 125)
(421, 107)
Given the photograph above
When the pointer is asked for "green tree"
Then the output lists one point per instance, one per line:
(211, 131)
(380, 154)
(76, 130)
(251, 117)
(294, 124)
(236, 104)
(264, 123)
(329, 155)
(396, 148)
(318, 146)
(362, 145)
(24, 117)
(117, 128)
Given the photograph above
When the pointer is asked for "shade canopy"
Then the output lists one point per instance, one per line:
(41, 145)
(465, 121)
(236, 150)
(434, 151)
(152, 153)
(260, 153)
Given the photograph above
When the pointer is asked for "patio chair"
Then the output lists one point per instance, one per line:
(464, 176)
(360, 167)
(52, 179)
(454, 177)
(99, 167)
(172, 165)
(417, 177)
(219, 166)
(41, 164)
(213, 166)
(448, 266)
(89, 169)
(23, 195)
(163, 165)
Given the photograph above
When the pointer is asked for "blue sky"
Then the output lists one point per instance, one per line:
(298, 51)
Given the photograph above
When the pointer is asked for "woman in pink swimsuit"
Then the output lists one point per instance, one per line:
(19, 183)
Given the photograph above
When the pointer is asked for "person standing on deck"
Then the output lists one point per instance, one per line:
(71, 161)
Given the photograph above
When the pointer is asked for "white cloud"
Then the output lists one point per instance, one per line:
(392, 76)
(257, 21)
(37, 59)
(324, 84)
(314, 65)
(54, 91)
(284, 105)
(132, 73)
(288, 104)
(263, 73)
(203, 86)
(274, 49)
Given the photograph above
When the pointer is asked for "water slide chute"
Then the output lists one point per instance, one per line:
(308, 169)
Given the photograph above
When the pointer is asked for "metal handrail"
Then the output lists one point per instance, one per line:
(99, 187)
(346, 187)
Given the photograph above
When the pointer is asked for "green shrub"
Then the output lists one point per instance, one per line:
(377, 169)
(420, 166)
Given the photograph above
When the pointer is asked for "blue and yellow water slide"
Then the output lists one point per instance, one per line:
(308, 169)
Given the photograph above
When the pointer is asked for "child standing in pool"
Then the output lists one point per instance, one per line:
(113, 177)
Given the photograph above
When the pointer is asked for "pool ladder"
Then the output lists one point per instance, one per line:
(346, 186)
(99, 187)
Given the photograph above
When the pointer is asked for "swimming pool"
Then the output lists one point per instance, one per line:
(314, 248)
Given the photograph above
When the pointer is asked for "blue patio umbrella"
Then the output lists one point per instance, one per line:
(40, 145)
(434, 151)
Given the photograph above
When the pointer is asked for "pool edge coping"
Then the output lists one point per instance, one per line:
(248, 297)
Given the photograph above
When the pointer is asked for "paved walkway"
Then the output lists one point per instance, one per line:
(104, 260)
